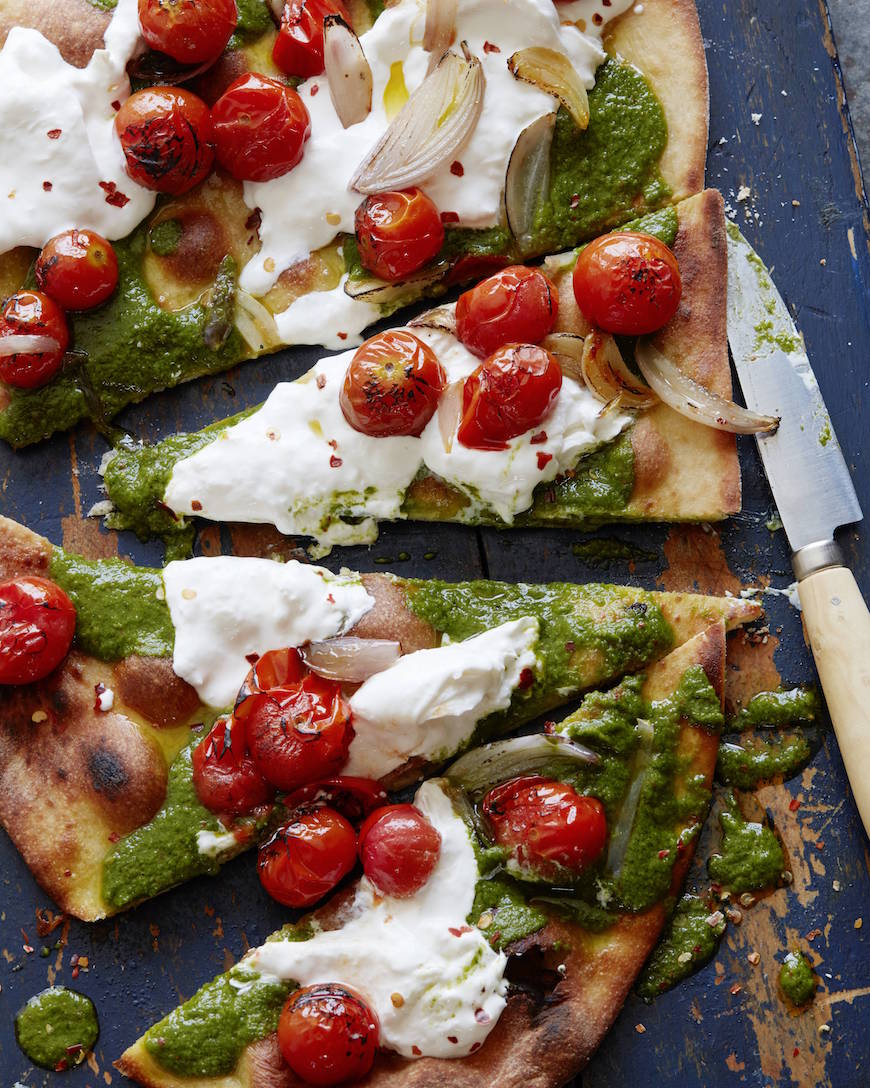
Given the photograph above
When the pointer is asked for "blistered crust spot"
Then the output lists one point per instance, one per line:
(149, 686)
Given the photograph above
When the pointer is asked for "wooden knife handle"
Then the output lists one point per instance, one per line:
(838, 626)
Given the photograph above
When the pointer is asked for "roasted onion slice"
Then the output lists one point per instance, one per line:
(527, 179)
(19, 343)
(606, 374)
(482, 768)
(348, 73)
(553, 73)
(349, 659)
(439, 29)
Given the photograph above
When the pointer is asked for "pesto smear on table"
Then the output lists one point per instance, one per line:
(57, 1028)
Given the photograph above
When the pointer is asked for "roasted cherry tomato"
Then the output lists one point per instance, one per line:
(224, 775)
(399, 849)
(31, 313)
(627, 283)
(307, 856)
(516, 305)
(298, 49)
(37, 624)
(260, 128)
(189, 31)
(397, 233)
(297, 732)
(353, 797)
(166, 135)
(78, 269)
(509, 393)
(392, 385)
(546, 824)
(328, 1034)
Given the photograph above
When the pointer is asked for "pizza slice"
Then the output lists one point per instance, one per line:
(99, 732)
(510, 963)
(561, 433)
(230, 206)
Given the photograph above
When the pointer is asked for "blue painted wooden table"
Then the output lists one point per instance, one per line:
(781, 151)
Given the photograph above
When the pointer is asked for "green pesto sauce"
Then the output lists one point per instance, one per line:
(686, 945)
(164, 852)
(57, 1028)
(750, 857)
(796, 979)
(164, 237)
(774, 709)
(605, 551)
(755, 758)
(501, 909)
(120, 608)
(254, 19)
(587, 634)
(126, 349)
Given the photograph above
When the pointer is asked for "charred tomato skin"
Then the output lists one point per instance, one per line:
(546, 824)
(307, 856)
(189, 31)
(37, 624)
(516, 305)
(260, 128)
(627, 283)
(224, 775)
(328, 1034)
(32, 313)
(513, 390)
(166, 136)
(392, 385)
(399, 849)
(78, 269)
(397, 233)
(298, 48)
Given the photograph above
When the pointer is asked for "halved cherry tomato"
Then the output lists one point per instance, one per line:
(32, 313)
(307, 856)
(37, 624)
(260, 128)
(509, 393)
(298, 49)
(399, 849)
(328, 1034)
(397, 233)
(189, 31)
(299, 731)
(353, 797)
(516, 305)
(78, 269)
(224, 775)
(166, 136)
(627, 283)
(392, 385)
(546, 824)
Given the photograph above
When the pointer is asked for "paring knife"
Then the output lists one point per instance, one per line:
(814, 494)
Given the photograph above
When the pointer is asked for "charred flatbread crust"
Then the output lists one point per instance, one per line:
(571, 992)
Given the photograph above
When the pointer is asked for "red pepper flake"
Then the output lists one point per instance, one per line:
(114, 196)
(474, 1046)
(488, 47)
(332, 443)
(54, 133)
(570, 646)
(664, 854)
(47, 921)
(74, 1050)
(450, 217)
(452, 1039)
(456, 168)
(335, 462)
(457, 931)
(416, 1051)
(315, 87)
(482, 1016)
(598, 19)
(67, 872)
(543, 459)
(28, 948)
(736, 988)
(549, 728)
(74, 959)
(114, 836)
(75, 972)
(116, 104)
(252, 659)
(813, 933)
(538, 438)
(820, 845)
(61, 1066)
(794, 804)
(330, 598)
(195, 504)
(527, 678)
(320, 381)
(341, 335)
(47, 186)
(796, 1051)
(575, 200)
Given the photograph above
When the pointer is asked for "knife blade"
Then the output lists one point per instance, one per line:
(814, 494)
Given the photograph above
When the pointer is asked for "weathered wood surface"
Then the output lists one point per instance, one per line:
(804, 210)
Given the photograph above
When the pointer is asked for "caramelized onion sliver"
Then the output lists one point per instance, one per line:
(482, 768)
(349, 659)
(527, 179)
(449, 413)
(694, 401)
(553, 73)
(348, 73)
(568, 349)
(381, 293)
(442, 318)
(439, 29)
(607, 376)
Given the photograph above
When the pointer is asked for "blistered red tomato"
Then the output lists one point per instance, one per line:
(508, 394)
(260, 128)
(307, 856)
(392, 385)
(516, 305)
(37, 624)
(78, 269)
(166, 136)
(397, 233)
(399, 849)
(31, 313)
(298, 732)
(328, 1034)
(189, 31)
(546, 824)
(627, 283)
(224, 775)
(298, 49)
(353, 797)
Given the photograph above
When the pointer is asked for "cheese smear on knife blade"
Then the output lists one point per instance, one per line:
(450, 981)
